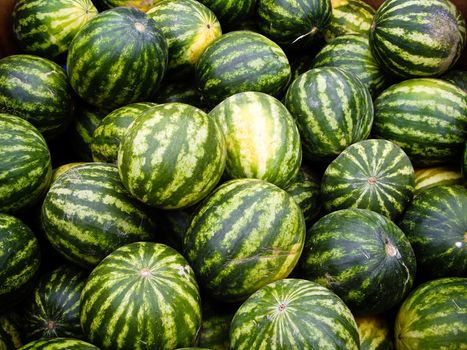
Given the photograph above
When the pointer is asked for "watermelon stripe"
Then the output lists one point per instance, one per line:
(436, 176)
(59, 344)
(113, 293)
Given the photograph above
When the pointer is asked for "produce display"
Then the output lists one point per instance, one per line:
(233, 174)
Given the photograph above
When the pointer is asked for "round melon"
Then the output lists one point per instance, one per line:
(261, 136)
(59, 344)
(413, 38)
(46, 28)
(433, 316)
(26, 167)
(52, 309)
(106, 138)
(370, 174)
(246, 234)
(88, 213)
(141, 295)
(426, 117)
(36, 89)
(241, 61)
(117, 58)
(363, 257)
(189, 28)
(20, 258)
(332, 108)
(293, 314)
(172, 156)
(436, 225)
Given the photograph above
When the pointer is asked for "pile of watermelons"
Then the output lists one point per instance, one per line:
(233, 174)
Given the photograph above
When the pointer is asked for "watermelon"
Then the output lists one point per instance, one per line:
(87, 118)
(26, 169)
(436, 225)
(143, 295)
(290, 22)
(332, 108)
(375, 332)
(59, 344)
(305, 190)
(10, 337)
(433, 316)
(370, 174)
(245, 235)
(107, 136)
(52, 310)
(413, 38)
(352, 53)
(241, 61)
(215, 326)
(180, 91)
(261, 136)
(87, 214)
(426, 117)
(56, 172)
(20, 258)
(231, 12)
(456, 77)
(36, 89)
(189, 28)
(293, 314)
(117, 58)
(46, 28)
(435, 176)
(349, 17)
(172, 156)
(362, 256)
(143, 5)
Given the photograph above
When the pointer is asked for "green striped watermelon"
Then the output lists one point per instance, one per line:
(172, 156)
(58, 171)
(46, 28)
(435, 176)
(352, 53)
(231, 12)
(433, 316)
(36, 89)
(25, 169)
(362, 256)
(349, 17)
(117, 58)
(456, 77)
(293, 314)
(189, 28)
(375, 332)
(141, 296)
(10, 337)
(180, 91)
(426, 117)
(52, 310)
(305, 190)
(417, 38)
(86, 119)
(106, 138)
(332, 108)
(59, 344)
(293, 22)
(436, 225)
(20, 258)
(87, 214)
(245, 235)
(261, 136)
(370, 174)
(241, 61)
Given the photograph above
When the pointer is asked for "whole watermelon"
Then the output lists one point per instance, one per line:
(141, 296)
(59, 344)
